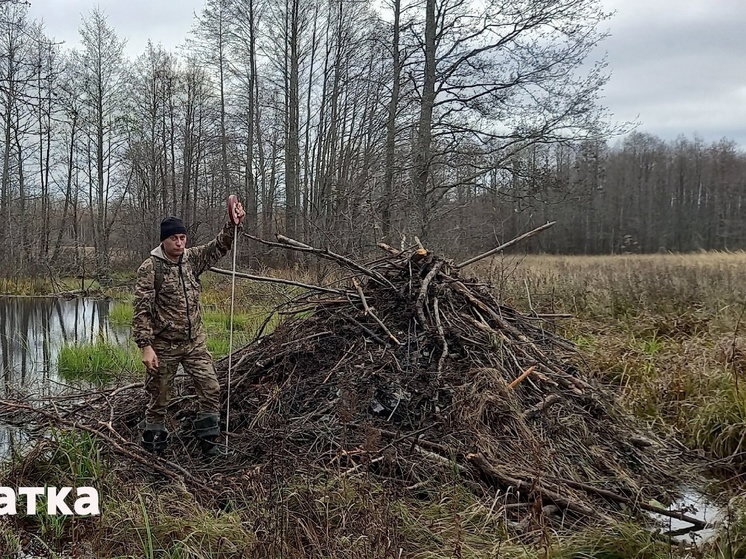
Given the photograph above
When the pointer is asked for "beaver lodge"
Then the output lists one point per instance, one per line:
(408, 374)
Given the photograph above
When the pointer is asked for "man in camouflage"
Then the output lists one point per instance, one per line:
(167, 326)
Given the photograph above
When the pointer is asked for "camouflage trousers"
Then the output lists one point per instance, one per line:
(198, 365)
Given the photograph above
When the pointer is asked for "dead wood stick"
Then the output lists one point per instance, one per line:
(543, 405)
(487, 329)
(292, 242)
(356, 467)
(389, 249)
(99, 396)
(369, 310)
(359, 289)
(326, 253)
(278, 280)
(306, 338)
(398, 439)
(125, 387)
(441, 333)
(632, 502)
(441, 459)
(502, 323)
(493, 475)
(506, 245)
(331, 371)
(483, 326)
(423, 292)
(286, 242)
(523, 375)
(365, 329)
(439, 448)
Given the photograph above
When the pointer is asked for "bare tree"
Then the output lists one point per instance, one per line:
(501, 75)
(103, 88)
(213, 34)
(17, 72)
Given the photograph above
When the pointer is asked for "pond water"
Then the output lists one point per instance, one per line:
(693, 503)
(32, 332)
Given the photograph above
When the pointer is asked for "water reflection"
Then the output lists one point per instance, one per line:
(12, 440)
(32, 331)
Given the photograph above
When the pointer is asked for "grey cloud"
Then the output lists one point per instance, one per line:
(680, 66)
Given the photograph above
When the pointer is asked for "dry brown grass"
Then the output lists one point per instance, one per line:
(666, 328)
(623, 285)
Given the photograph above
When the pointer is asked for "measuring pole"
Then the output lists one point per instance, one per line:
(232, 201)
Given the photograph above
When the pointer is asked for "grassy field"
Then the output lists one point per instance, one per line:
(669, 331)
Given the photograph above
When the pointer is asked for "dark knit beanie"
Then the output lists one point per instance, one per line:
(171, 226)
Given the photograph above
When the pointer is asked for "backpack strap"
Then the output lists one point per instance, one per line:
(158, 268)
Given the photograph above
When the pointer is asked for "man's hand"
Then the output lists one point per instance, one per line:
(149, 358)
(239, 212)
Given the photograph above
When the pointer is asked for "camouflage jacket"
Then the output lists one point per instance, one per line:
(174, 313)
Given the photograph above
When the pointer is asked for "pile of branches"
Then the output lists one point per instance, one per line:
(410, 371)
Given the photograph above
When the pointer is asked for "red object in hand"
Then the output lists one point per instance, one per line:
(232, 201)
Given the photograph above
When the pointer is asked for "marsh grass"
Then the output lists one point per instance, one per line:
(98, 363)
(254, 301)
(730, 541)
(620, 286)
(319, 516)
(246, 323)
(667, 330)
(62, 459)
(121, 313)
(9, 540)
(622, 541)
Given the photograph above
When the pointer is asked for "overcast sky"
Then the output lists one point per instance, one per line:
(677, 66)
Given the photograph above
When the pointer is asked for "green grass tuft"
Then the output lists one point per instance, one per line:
(98, 363)
(622, 541)
(121, 313)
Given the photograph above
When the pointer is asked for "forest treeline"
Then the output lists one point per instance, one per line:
(342, 124)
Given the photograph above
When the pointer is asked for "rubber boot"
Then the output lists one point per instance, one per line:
(207, 431)
(155, 437)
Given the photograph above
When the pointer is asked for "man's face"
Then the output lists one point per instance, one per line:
(174, 246)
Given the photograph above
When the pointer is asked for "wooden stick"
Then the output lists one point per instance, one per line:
(369, 310)
(699, 524)
(524, 374)
(152, 461)
(389, 249)
(497, 477)
(423, 292)
(563, 378)
(541, 406)
(441, 333)
(293, 242)
(506, 245)
(365, 329)
(440, 459)
(279, 280)
(287, 242)
(362, 296)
